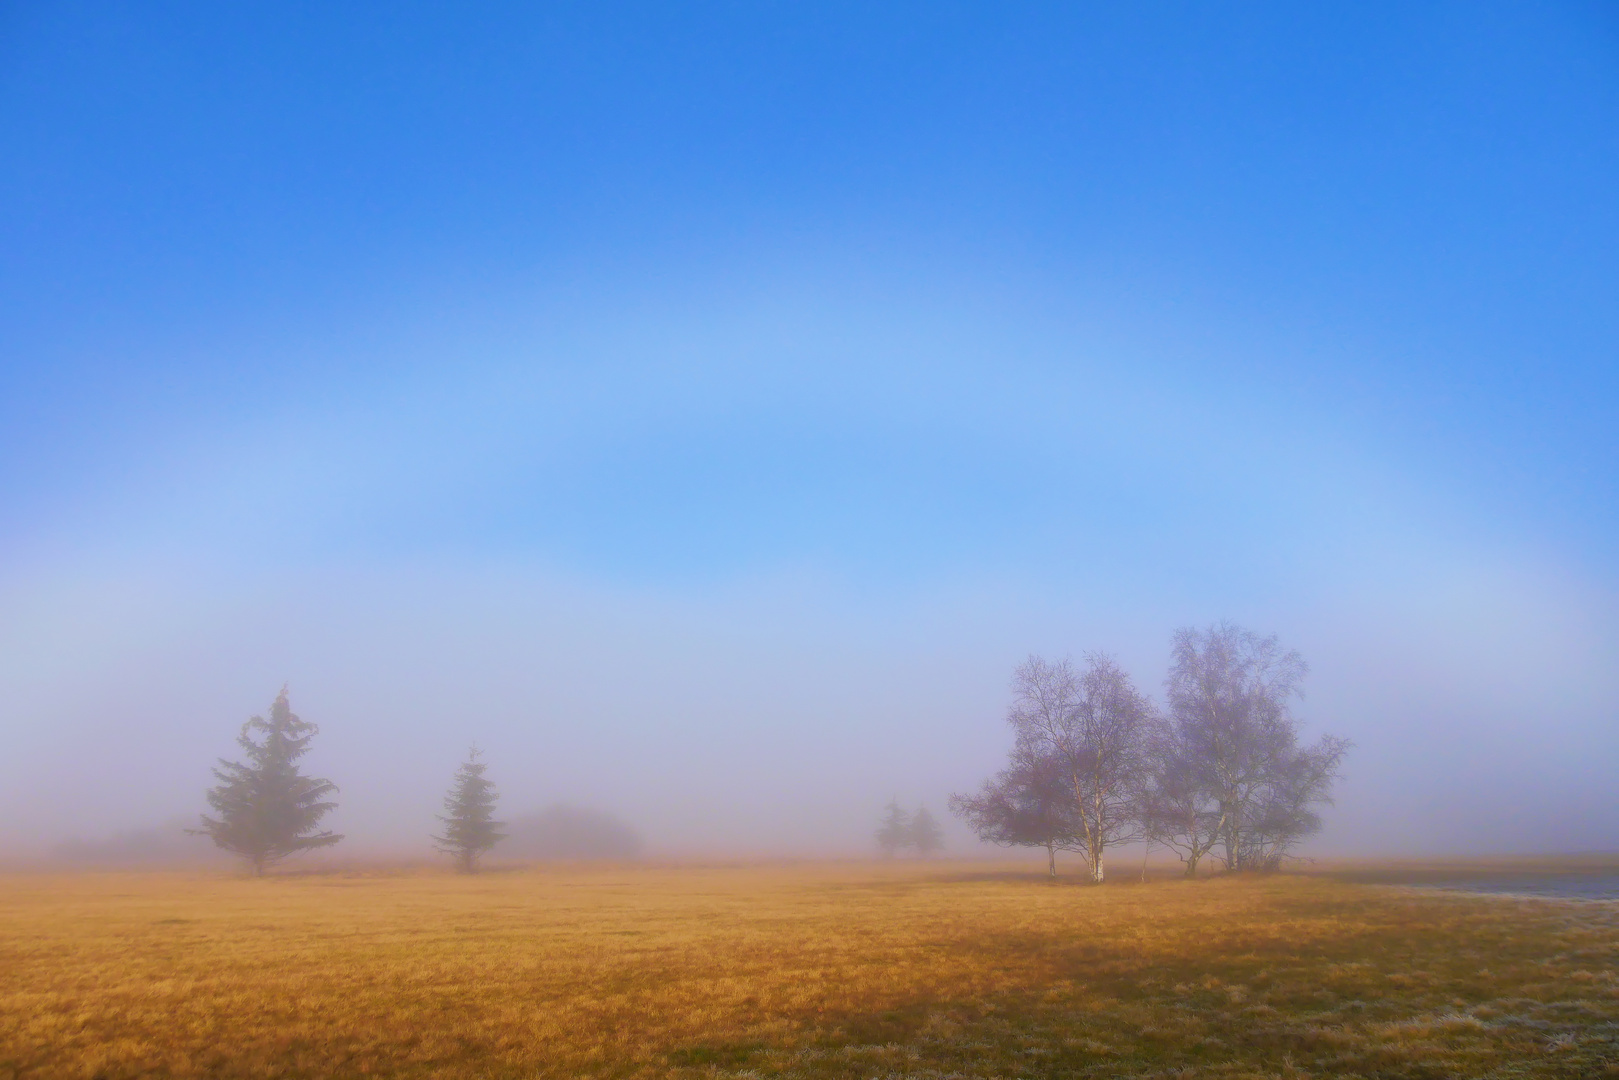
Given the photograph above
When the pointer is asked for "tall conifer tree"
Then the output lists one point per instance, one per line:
(926, 835)
(469, 825)
(266, 808)
(895, 831)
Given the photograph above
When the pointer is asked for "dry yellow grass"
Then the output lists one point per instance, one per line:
(815, 971)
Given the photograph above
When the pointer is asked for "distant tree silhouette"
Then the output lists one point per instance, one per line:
(895, 831)
(925, 834)
(469, 825)
(266, 809)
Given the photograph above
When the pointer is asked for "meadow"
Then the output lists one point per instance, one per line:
(811, 970)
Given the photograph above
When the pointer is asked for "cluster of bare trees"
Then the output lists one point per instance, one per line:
(1217, 773)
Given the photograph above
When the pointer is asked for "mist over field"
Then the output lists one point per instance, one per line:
(713, 440)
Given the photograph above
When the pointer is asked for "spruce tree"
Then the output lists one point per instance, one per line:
(895, 831)
(926, 835)
(469, 828)
(266, 809)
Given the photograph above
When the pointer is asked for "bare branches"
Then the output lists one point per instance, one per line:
(1230, 719)
(1094, 763)
(1078, 761)
(1028, 803)
(1178, 810)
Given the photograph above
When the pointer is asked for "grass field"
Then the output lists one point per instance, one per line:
(802, 970)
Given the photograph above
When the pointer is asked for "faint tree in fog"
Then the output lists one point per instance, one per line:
(926, 836)
(1026, 804)
(1093, 728)
(1230, 695)
(895, 831)
(561, 831)
(266, 809)
(164, 844)
(469, 825)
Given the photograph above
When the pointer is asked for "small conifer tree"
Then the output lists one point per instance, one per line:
(895, 831)
(266, 808)
(925, 834)
(469, 825)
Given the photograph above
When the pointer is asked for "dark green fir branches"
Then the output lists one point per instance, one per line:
(469, 825)
(266, 809)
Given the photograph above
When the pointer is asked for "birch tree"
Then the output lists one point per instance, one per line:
(1092, 726)
(1230, 695)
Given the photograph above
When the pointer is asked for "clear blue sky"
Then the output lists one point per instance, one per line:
(847, 344)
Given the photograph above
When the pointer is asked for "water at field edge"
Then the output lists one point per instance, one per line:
(1554, 886)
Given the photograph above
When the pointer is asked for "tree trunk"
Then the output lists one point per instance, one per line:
(1051, 858)
(1233, 850)
(1096, 866)
(1191, 866)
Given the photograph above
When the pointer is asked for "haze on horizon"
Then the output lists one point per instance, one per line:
(704, 411)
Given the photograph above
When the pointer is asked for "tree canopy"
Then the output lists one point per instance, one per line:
(1220, 774)
(895, 831)
(469, 810)
(266, 809)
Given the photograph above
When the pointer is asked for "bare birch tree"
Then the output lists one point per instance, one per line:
(1230, 711)
(1093, 727)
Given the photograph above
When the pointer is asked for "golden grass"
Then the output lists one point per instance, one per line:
(813, 971)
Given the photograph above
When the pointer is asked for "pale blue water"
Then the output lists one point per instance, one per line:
(1558, 886)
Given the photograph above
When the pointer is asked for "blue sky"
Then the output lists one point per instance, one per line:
(632, 371)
